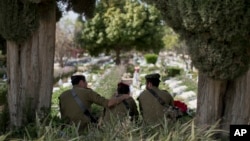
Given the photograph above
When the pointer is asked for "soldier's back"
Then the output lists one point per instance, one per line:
(152, 110)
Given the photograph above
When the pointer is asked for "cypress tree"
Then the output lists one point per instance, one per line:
(216, 33)
(18, 19)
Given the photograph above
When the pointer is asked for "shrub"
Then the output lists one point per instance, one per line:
(173, 71)
(151, 58)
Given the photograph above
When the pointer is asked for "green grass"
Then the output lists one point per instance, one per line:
(122, 131)
(53, 129)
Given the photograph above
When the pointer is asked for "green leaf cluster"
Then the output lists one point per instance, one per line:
(170, 39)
(151, 58)
(216, 32)
(132, 26)
(18, 19)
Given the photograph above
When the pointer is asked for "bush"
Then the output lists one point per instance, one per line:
(173, 71)
(151, 58)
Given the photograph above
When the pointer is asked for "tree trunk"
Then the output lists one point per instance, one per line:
(118, 59)
(30, 73)
(227, 101)
(237, 109)
(209, 100)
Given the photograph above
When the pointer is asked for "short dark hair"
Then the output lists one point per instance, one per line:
(123, 88)
(75, 79)
(153, 78)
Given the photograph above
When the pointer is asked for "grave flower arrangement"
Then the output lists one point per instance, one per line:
(181, 105)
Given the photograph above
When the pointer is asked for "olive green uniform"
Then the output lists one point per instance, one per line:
(71, 111)
(122, 110)
(150, 108)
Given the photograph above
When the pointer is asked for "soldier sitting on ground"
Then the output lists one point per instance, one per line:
(126, 109)
(75, 103)
(150, 108)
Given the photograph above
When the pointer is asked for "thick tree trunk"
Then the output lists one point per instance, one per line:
(209, 100)
(118, 59)
(30, 73)
(227, 101)
(237, 109)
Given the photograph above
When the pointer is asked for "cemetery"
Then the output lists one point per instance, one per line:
(118, 51)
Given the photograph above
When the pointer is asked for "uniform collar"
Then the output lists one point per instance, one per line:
(154, 88)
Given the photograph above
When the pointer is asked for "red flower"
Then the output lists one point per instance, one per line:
(182, 106)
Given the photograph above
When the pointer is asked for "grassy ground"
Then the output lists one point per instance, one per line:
(53, 129)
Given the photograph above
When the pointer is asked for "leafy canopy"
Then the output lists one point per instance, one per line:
(132, 26)
(216, 32)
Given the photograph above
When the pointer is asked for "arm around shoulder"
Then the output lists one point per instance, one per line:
(116, 100)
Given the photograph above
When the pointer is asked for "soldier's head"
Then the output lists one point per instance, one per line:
(79, 80)
(152, 80)
(123, 88)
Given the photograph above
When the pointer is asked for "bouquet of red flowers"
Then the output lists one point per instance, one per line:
(181, 105)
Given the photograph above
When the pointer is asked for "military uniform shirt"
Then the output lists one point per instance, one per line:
(71, 111)
(120, 111)
(150, 108)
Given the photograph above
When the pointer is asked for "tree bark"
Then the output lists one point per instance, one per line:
(118, 59)
(209, 100)
(224, 101)
(30, 73)
(237, 109)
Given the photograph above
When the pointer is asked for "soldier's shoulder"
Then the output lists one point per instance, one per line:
(64, 93)
(165, 91)
(143, 93)
(86, 90)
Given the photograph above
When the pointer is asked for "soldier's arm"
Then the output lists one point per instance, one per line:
(98, 99)
(116, 100)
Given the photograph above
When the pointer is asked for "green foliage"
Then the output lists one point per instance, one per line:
(118, 130)
(4, 112)
(18, 19)
(47, 129)
(123, 28)
(217, 48)
(4, 137)
(170, 39)
(151, 58)
(173, 71)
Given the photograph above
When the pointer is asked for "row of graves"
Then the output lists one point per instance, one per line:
(177, 88)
